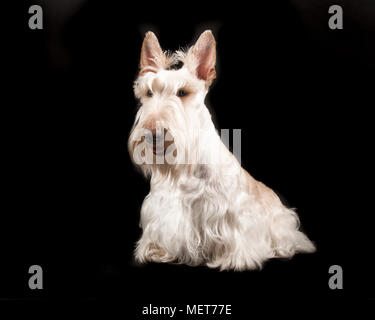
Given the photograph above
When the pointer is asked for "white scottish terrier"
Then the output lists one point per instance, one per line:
(203, 208)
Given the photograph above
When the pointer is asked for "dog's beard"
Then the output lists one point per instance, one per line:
(161, 144)
(157, 157)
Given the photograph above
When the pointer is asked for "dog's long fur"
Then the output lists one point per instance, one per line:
(208, 210)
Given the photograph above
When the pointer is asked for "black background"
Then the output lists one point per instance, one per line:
(300, 92)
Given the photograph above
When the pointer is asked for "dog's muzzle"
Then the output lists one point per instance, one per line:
(159, 139)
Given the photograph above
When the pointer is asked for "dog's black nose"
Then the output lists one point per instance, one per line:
(156, 136)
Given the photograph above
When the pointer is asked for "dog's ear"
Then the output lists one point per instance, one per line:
(152, 56)
(204, 52)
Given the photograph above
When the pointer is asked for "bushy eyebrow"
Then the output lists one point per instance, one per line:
(156, 83)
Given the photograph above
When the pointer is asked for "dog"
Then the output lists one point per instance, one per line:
(203, 207)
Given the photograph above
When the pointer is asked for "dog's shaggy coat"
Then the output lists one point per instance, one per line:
(203, 208)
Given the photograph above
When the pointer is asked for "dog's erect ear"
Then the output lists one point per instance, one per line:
(152, 56)
(204, 51)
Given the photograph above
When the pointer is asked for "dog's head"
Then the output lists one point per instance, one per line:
(171, 88)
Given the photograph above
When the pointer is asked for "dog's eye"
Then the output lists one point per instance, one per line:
(149, 93)
(181, 93)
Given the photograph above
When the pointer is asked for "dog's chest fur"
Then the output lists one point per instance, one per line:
(193, 210)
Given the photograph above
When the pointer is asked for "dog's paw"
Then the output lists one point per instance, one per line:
(235, 263)
(158, 254)
(153, 253)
